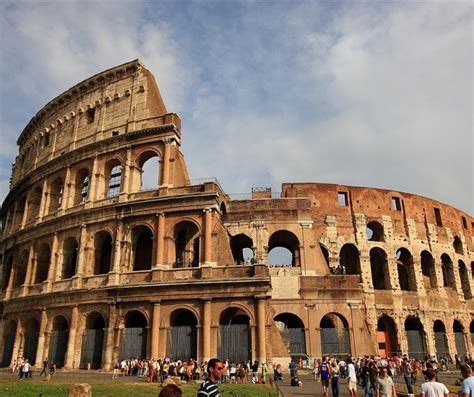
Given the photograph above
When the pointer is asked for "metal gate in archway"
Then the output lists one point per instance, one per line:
(295, 338)
(30, 346)
(234, 342)
(335, 341)
(91, 352)
(441, 344)
(133, 343)
(58, 346)
(416, 344)
(460, 344)
(182, 342)
(8, 349)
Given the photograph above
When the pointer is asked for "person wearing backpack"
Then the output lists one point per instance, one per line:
(324, 371)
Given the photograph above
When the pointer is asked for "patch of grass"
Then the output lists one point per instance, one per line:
(34, 388)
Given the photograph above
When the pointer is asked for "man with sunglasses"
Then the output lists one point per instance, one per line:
(385, 386)
(209, 386)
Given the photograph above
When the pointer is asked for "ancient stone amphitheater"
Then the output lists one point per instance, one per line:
(99, 264)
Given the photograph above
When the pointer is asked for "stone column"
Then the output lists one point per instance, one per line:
(262, 351)
(81, 257)
(206, 330)
(166, 162)
(41, 337)
(160, 239)
(94, 181)
(52, 265)
(114, 274)
(109, 338)
(125, 188)
(155, 330)
(65, 201)
(71, 343)
(29, 269)
(25, 213)
(366, 272)
(207, 236)
(45, 198)
(17, 343)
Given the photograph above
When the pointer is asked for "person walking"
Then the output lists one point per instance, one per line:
(352, 382)
(385, 386)
(44, 369)
(324, 370)
(209, 388)
(407, 371)
(334, 375)
(432, 388)
(467, 385)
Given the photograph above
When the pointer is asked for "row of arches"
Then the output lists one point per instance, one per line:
(45, 199)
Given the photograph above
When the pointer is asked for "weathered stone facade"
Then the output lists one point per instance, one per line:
(95, 268)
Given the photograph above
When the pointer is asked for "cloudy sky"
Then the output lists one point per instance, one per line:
(359, 93)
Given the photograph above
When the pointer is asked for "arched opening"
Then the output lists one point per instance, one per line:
(82, 183)
(457, 245)
(56, 195)
(8, 343)
(234, 335)
(292, 332)
(349, 259)
(21, 265)
(43, 263)
(415, 338)
(31, 340)
(20, 210)
(149, 165)
(379, 269)
(334, 330)
(142, 241)
(242, 248)
(375, 231)
(103, 252)
(70, 249)
(182, 336)
(387, 336)
(463, 275)
(133, 343)
(7, 271)
(428, 270)
(458, 330)
(406, 271)
(441, 339)
(288, 241)
(93, 342)
(223, 209)
(325, 253)
(186, 237)
(113, 172)
(58, 341)
(34, 203)
(448, 272)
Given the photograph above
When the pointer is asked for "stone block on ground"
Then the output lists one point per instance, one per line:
(172, 380)
(80, 390)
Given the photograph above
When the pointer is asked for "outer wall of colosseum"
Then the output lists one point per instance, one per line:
(98, 263)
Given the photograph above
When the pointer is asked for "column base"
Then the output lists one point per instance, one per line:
(113, 278)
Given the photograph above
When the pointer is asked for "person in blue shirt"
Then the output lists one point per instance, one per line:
(467, 385)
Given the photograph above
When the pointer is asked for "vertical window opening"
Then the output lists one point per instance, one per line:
(342, 199)
(396, 204)
(437, 213)
(114, 182)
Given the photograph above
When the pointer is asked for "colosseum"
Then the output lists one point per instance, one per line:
(99, 264)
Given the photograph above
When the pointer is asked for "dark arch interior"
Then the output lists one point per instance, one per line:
(438, 326)
(290, 320)
(135, 319)
(103, 253)
(448, 271)
(237, 244)
(183, 317)
(143, 248)
(20, 269)
(375, 231)
(7, 269)
(457, 326)
(379, 268)
(428, 270)
(333, 320)
(44, 258)
(95, 321)
(187, 244)
(60, 324)
(457, 245)
(70, 248)
(325, 252)
(234, 316)
(349, 257)
(413, 324)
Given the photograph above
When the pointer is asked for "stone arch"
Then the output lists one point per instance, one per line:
(93, 341)
(387, 339)
(349, 257)
(375, 231)
(464, 277)
(415, 337)
(134, 336)
(287, 240)
(82, 182)
(428, 270)
(334, 330)
(113, 177)
(58, 340)
(34, 202)
(379, 269)
(406, 270)
(449, 280)
(242, 248)
(56, 194)
(148, 163)
(142, 246)
(234, 342)
(186, 237)
(457, 245)
(31, 335)
(21, 265)
(43, 263)
(19, 211)
(458, 330)
(292, 331)
(182, 335)
(70, 254)
(103, 247)
(441, 339)
(9, 334)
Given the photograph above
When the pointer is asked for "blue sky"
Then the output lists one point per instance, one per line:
(359, 93)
